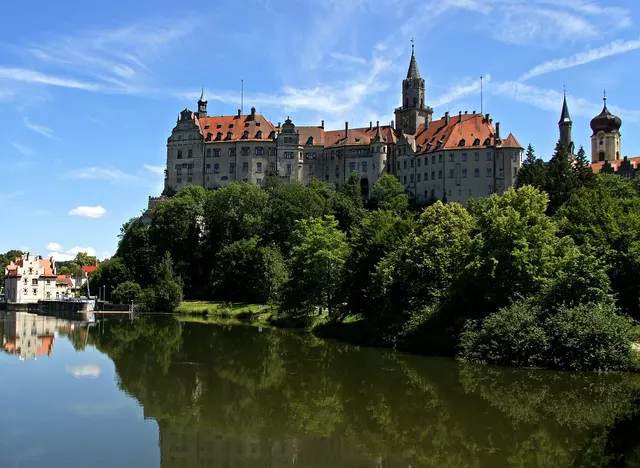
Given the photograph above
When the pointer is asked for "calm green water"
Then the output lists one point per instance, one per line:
(158, 393)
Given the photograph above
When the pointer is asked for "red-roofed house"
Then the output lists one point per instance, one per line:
(466, 156)
(30, 278)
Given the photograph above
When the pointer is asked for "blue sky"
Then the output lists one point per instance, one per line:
(89, 92)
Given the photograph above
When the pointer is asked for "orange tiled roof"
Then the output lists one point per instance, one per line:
(358, 136)
(511, 142)
(64, 279)
(467, 131)
(47, 265)
(597, 167)
(235, 126)
(317, 133)
(90, 269)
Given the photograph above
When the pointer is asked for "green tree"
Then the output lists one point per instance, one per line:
(533, 171)
(388, 194)
(245, 271)
(84, 259)
(584, 174)
(166, 294)
(562, 179)
(353, 190)
(318, 253)
(7, 258)
(126, 293)
(136, 251)
(110, 274)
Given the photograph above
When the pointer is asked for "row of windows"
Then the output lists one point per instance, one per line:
(452, 158)
(450, 192)
(418, 177)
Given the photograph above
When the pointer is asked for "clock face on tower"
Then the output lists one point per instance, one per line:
(405, 120)
(601, 134)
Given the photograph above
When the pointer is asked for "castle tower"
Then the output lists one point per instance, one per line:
(413, 111)
(202, 105)
(605, 141)
(565, 125)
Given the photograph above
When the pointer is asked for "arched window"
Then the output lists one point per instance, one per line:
(259, 135)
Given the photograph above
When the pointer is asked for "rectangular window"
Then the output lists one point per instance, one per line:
(310, 168)
(34, 282)
(476, 156)
(179, 171)
(245, 167)
(490, 191)
(208, 169)
(245, 151)
(433, 175)
(452, 157)
(35, 291)
(259, 151)
(272, 167)
(232, 168)
(404, 180)
(216, 168)
(476, 173)
(259, 181)
(352, 166)
(433, 159)
(418, 176)
(405, 163)
(288, 140)
(439, 174)
(419, 162)
(516, 156)
(288, 168)
(411, 177)
(515, 172)
(179, 180)
(216, 153)
(258, 167)
(208, 152)
(398, 164)
(464, 173)
(179, 154)
(190, 153)
(464, 157)
(232, 151)
(426, 176)
(489, 155)
(364, 166)
(489, 172)
(452, 173)
(439, 158)
(311, 155)
(288, 155)
(412, 163)
(189, 179)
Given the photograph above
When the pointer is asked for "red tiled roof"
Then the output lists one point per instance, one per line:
(47, 265)
(317, 133)
(89, 269)
(511, 142)
(461, 132)
(64, 280)
(237, 125)
(358, 136)
(597, 167)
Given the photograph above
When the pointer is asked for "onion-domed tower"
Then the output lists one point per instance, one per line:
(605, 141)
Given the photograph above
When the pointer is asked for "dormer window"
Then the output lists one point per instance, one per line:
(245, 135)
(246, 124)
(272, 135)
(487, 142)
(439, 144)
(462, 142)
(257, 124)
(310, 141)
(219, 126)
(229, 135)
(357, 140)
(259, 135)
(230, 125)
(209, 136)
(206, 126)
(219, 136)
(476, 142)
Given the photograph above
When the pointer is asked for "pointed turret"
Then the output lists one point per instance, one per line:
(202, 105)
(565, 117)
(565, 126)
(413, 71)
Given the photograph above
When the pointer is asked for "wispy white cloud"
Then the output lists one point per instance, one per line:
(32, 76)
(22, 149)
(41, 129)
(159, 170)
(93, 212)
(101, 173)
(54, 247)
(348, 58)
(591, 55)
(460, 91)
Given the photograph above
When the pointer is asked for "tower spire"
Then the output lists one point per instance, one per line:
(413, 64)
(565, 117)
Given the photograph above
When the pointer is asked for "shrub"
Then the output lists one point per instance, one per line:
(126, 292)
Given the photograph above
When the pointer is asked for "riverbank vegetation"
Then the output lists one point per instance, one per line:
(547, 274)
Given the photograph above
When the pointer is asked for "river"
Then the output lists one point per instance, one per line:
(158, 392)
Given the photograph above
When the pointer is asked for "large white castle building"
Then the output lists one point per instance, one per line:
(455, 157)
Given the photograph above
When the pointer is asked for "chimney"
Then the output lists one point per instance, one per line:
(346, 129)
(466, 112)
(378, 124)
(490, 121)
(460, 116)
(239, 112)
(474, 112)
(322, 125)
(279, 124)
(497, 130)
(487, 117)
(370, 125)
(253, 113)
(446, 117)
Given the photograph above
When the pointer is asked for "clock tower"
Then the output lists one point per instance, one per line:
(413, 111)
(605, 141)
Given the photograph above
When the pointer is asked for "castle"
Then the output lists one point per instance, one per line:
(455, 158)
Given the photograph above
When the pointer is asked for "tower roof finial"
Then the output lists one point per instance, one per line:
(413, 64)
(202, 99)
(605, 98)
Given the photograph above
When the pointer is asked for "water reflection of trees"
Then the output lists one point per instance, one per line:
(276, 398)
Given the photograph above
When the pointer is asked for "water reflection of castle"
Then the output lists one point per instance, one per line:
(206, 448)
(29, 336)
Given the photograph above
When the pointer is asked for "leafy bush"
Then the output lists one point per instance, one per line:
(166, 294)
(126, 292)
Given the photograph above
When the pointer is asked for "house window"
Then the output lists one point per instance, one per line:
(189, 179)
(259, 181)
(411, 177)
(476, 156)
(208, 152)
(190, 153)
(489, 155)
(398, 164)
(244, 151)
(232, 168)
(179, 180)
(288, 168)
(412, 163)
(288, 155)
(490, 191)
(48, 282)
(404, 180)
(426, 176)
(352, 166)
(405, 163)
(259, 151)
(232, 151)
(258, 167)
(272, 167)
(35, 291)
(34, 282)
(364, 166)
(245, 167)
(418, 177)
(476, 173)
(452, 157)
(516, 156)
(208, 169)
(439, 174)
(310, 168)
(489, 172)
(216, 153)
(337, 171)
(216, 168)
(439, 158)
(449, 193)
(433, 159)
(464, 173)
(179, 154)
(464, 157)
(433, 175)
(311, 155)
(179, 171)
(451, 174)
(288, 140)
(515, 172)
